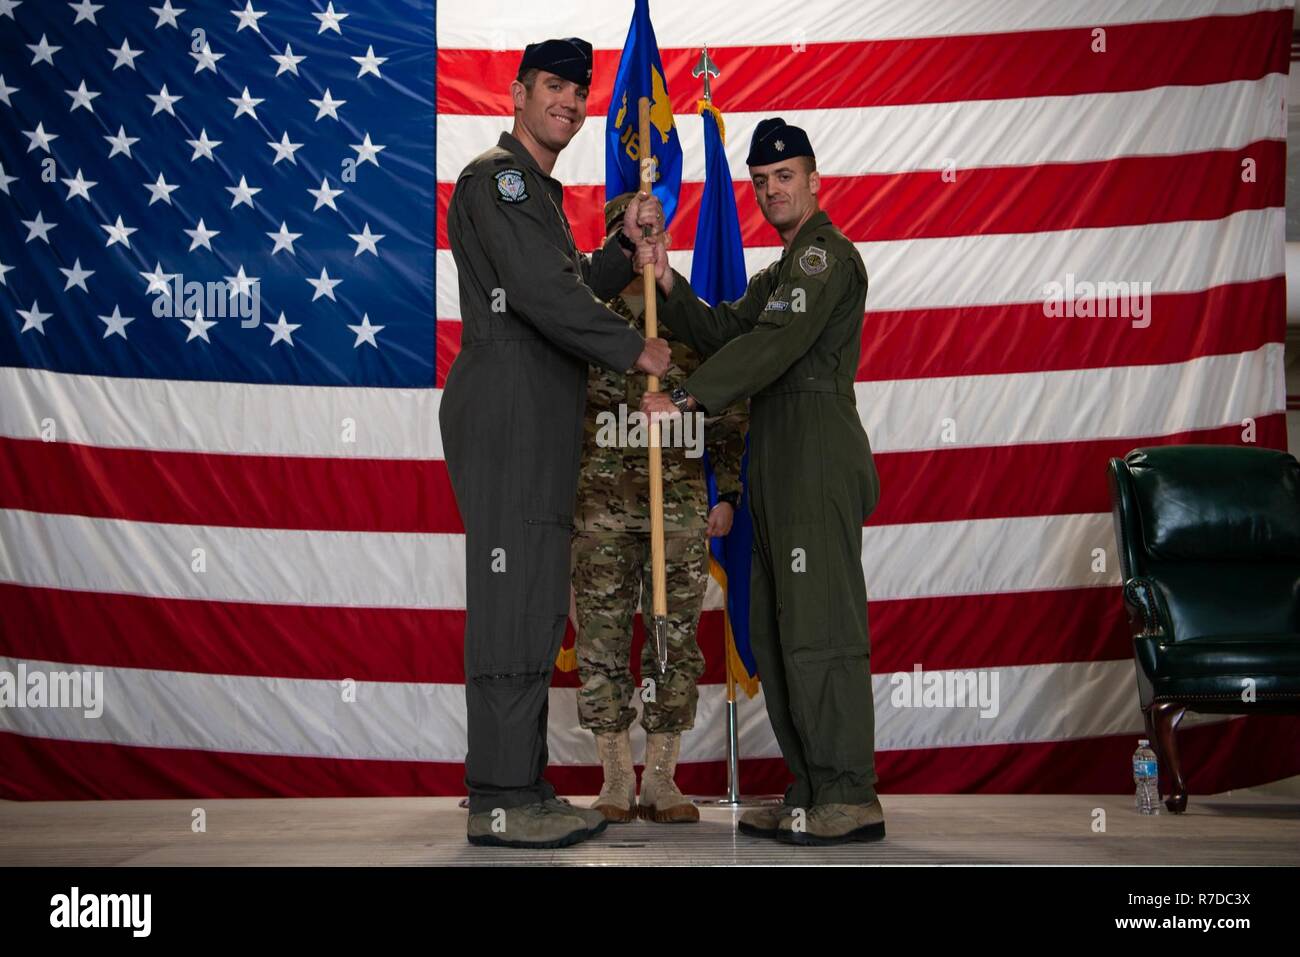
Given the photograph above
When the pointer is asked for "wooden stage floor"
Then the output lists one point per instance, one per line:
(1240, 828)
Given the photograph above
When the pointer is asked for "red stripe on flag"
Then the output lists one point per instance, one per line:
(991, 340)
(1005, 481)
(992, 66)
(1128, 191)
(1217, 757)
(944, 484)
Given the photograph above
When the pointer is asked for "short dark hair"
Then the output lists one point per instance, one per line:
(528, 77)
(810, 164)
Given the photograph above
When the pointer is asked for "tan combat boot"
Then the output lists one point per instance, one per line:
(834, 824)
(660, 799)
(617, 800)
(763, 821)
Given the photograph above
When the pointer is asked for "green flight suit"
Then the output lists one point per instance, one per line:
(791, 344)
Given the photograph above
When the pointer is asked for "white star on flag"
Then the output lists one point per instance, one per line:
(33, 318)
(5, 90)
(287, 60)
(7, 7)
(43, 52)
(162, 100)
(5, 180)
(121, 142)
(325, 195)
(242, 284)
(116, 323)
(284, 150)
(124, 55)
(329, 20)
(243, 193)
(4, 269)
(76, 276)
(77, 186)
(85, 11)
(39, 138)
(198, 327)
(327, 106)
(200, 235)
(248, 17)
(167, 15)
(81, 97)
(365, 332)
(38, 228)
(365, 241)
(245, 104)
(117, 233)
(160, 191)
(158, 280)
(203, 146)
(284, 239)
(369, 63)
(282, 331)
(206, 59)
(367, 151)
(324, 286)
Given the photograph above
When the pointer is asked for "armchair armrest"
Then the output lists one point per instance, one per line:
(1147, 610)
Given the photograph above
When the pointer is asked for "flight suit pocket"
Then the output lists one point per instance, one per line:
(831, 703)
(780, 307)
(547, 539)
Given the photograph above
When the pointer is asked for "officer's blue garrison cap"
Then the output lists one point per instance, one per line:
(775, 140)
(569, 58)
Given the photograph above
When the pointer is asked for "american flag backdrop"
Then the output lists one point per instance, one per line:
(248, 529)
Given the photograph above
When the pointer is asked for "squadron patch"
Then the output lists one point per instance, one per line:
(510, 186)
(813, 260)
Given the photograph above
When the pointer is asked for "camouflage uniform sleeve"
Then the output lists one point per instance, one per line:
(541, 282)
(726, 447)
(753, 361)
(608, 270)
(705, 328)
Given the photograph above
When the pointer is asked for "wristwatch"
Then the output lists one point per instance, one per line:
(731, 498)
(680, 398)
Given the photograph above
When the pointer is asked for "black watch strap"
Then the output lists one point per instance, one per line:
(731, 498)
(625, 241)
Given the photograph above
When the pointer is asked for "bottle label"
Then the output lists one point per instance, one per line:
(1144, 768)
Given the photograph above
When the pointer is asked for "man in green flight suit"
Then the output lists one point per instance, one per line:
(791, 344)
(511, 422)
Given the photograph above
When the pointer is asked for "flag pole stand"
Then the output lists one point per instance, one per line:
(705, 68)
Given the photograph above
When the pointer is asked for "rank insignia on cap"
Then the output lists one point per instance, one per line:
(813, 260)
(780, 146)
(511, 186)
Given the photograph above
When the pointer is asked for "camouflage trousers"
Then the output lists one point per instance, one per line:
(610, 571)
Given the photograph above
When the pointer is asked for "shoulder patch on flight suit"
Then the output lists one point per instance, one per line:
(813, 260)
(510, 185)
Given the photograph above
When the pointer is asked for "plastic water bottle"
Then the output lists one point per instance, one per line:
(1146, 777)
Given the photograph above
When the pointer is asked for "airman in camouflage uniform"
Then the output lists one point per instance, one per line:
(611, 568)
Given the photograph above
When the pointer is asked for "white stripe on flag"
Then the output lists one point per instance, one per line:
(932, 136)
(899, 415)
(387, 570)
(508, 25)
(1008, 268)
(407, 721)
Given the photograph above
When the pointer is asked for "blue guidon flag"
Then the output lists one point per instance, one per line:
(641, 73)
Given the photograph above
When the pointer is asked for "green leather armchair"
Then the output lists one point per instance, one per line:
(1209, 547)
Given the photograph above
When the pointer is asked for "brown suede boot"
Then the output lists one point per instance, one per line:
(660, 799)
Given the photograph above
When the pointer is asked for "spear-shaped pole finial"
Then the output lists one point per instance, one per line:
(706, 68)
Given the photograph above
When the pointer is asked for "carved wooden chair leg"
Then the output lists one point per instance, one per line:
(1165, 716)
